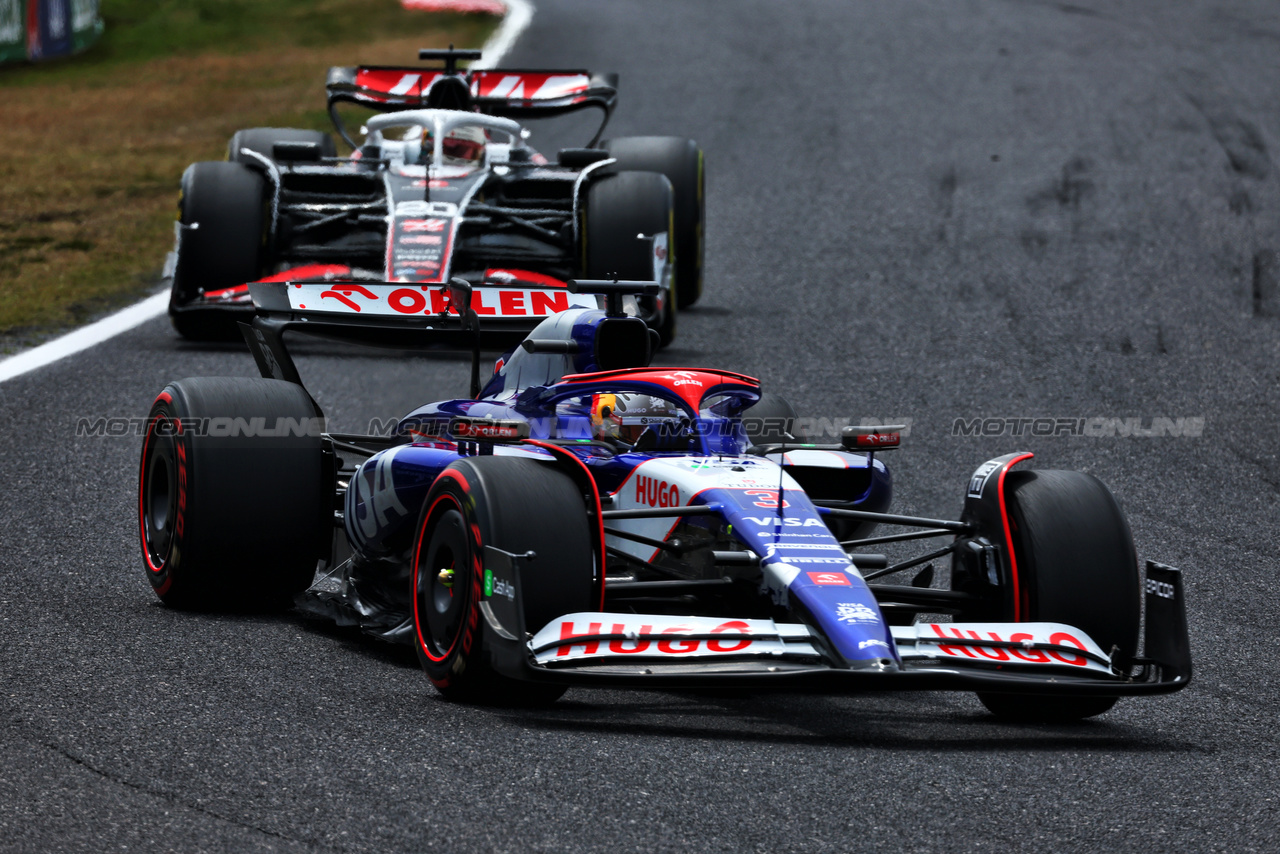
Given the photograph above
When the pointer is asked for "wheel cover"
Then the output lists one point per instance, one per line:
(158, 505)
(160, 491)
(442, 611)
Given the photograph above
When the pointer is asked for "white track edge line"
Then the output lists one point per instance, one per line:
(515, 22)
(519, 14)
(85, 337)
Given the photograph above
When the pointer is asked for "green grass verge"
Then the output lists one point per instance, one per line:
(86, 210)
(142, 30)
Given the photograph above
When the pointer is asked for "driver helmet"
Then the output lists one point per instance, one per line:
(462, 146)
(626, 416)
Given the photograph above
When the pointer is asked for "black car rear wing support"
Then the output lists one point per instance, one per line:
(450, 56)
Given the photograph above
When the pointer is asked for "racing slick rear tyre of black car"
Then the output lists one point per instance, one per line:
(517, 505)
(619, 207)
(262, 141)
(681, 160)
(231, 505)
(223, 207)
(1076, 565)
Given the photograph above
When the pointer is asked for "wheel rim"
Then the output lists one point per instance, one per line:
(159, 494)
(159, 506)
(443, 607)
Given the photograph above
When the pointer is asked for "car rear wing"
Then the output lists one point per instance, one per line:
(526, 91)
(411, 316)
(514, 93)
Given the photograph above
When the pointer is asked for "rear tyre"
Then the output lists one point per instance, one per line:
(682, 162)
(228, 519)
(224, 203)
(512, 504)
(618, 207)
(263, 140)
(1076, 565)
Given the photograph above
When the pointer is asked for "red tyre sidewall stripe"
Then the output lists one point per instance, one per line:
(142, 493)
(1020, 608)
(467, 634)
(160, 576)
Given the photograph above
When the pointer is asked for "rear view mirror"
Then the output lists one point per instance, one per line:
(577, 158)
(297, 152)
(459, 291)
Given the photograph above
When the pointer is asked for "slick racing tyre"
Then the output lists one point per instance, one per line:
(1076, 565)
(223, 207)
(517, 505)
(263, 140)
(231, 505)
(682, 162)
(618, 207)
(770, 421)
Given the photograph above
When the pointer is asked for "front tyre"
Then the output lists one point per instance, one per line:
(1076, 564)
(223, 213)
(770, 421)
(230, 503)
(263, 140)
(517, 505)
(681, 160)
(617, 208)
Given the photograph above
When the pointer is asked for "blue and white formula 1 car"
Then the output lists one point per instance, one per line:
(587, 520)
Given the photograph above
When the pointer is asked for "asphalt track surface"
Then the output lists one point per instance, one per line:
(932, 210)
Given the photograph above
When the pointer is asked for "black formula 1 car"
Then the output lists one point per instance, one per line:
(585, 519)
(442, 183)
